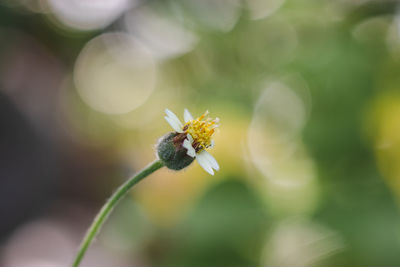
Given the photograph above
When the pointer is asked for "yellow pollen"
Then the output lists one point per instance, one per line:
(201, 130)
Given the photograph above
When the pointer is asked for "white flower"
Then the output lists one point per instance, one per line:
(197, 137)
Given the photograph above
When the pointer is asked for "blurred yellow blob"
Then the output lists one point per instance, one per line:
(114, 74)
(386, 134)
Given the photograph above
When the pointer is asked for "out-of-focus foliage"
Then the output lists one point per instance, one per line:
(308, 92)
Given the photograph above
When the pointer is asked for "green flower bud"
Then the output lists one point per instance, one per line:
(171, 152)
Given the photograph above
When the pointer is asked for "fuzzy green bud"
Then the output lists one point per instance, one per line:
(171, 152)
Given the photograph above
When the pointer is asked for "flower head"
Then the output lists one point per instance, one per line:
(193, 137)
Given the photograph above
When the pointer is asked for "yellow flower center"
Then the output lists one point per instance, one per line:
(201, 129)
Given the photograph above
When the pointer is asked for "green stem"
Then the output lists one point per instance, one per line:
(110, 204)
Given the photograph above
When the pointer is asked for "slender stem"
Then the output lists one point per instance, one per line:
(110, 204)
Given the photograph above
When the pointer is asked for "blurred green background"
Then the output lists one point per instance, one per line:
(308, 92)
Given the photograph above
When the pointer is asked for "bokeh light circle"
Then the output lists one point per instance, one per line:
(88, 14)
(22, 248)
(114, 73)
(260, 9)
(279, 116)
(164, 35)
(301, 243)
(275, 147)
(219, 15)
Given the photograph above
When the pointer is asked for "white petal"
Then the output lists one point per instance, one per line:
(190, 150)
(190, 138)
(174, 124)
(212, 144)
(172, 115)
(202, 160)
(187, 116)
(211, 160)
